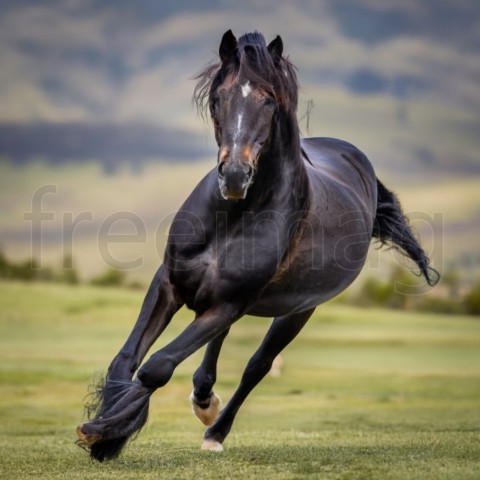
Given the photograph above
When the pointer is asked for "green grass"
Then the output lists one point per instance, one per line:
(365, 394)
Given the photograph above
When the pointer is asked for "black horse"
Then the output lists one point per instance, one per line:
(281, 225)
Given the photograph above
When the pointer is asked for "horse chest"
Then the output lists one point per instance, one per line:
(228, 268)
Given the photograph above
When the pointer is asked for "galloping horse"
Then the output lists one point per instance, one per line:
(281, 225)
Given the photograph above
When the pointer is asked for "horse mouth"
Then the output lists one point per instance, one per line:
(233, 192)
(234, 179)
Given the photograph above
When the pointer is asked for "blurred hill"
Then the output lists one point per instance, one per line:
(109, 144)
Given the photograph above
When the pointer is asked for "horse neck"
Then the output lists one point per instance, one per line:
(281, 177)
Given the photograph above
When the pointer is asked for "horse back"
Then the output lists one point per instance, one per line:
(339, 172)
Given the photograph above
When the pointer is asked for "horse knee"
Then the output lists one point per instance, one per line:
(156, 372)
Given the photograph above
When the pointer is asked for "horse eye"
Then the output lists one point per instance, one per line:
(215, 104)
(214, 110)
(269, 101)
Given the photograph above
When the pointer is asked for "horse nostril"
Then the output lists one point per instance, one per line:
(249, 170)
(221, 167)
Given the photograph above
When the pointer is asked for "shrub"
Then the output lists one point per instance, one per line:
(67, 273)
(471, 300)
(374, 292)
(110, 278)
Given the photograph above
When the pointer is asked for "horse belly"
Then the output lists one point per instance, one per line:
(314, 275)
(296, 293)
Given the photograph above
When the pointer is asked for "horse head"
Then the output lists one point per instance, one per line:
(250, 89)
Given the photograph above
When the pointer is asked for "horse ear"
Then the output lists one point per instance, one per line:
(275, 47)
(227, 47)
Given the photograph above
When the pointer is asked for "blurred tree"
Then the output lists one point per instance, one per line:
(472, 300)
(111, 277)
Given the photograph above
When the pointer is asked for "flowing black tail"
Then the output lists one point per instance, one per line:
(392, 228)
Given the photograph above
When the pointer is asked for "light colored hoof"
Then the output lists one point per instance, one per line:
(87, 439)
(207, 415)
(212, 446)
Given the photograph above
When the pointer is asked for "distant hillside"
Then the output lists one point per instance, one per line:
(110, 144)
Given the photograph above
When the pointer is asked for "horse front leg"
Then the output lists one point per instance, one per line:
(206, 404)
(110, 431)
(157, 310)
(282, 331)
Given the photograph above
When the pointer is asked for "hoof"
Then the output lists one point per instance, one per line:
(212, 445)
(207, 415)
(88, 439)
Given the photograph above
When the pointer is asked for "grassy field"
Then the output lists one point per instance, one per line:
(365, 394)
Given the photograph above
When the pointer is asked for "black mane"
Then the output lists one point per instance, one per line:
(252, 38)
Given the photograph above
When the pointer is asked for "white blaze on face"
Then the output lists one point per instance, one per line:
(238, 130)
(239, 122)
(246, 89)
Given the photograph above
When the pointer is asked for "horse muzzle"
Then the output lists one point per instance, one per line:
(234, 179)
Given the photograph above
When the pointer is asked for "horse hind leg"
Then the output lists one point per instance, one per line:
(282, 331)
(206, 404)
